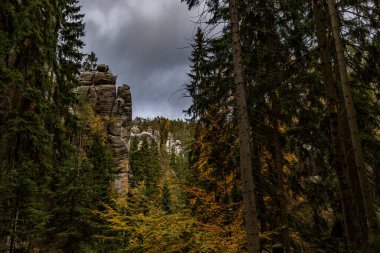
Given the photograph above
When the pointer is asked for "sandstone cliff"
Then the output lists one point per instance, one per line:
(114, 104)
(171, 145)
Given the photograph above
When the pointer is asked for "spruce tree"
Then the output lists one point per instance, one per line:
(145, 165)
(45, 186)
(27, 150)
(90, 62)
(199, 74)
(165, 198)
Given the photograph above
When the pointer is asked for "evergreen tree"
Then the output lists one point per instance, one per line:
(288, 115)
(83, 186)
(145, 165)
(249, 199)
(50, 180)
(165, 198)
(27, 148)
(199, 73)
(90, 62)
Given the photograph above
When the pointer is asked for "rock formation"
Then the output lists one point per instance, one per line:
(174, 145)
(100, 88)
(150, 135)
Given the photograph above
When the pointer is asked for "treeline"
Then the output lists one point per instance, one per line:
(286, 107)
(179, 128)
(55, 169)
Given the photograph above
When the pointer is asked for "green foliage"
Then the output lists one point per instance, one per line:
(166, 198)
(145, 165)
(90, 62)
(143, 226)
(80, 184)
(55, 167)
(285, 86)
(180, 129)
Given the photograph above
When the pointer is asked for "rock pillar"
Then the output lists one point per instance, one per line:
(115, 107)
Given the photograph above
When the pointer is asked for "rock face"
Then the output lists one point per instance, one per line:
(151, 135)
(174, 146)
(116, 106)
(101, 76)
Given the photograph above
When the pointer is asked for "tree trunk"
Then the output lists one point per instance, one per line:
(250, 214)
(351, 224)
(14, 227)
(350, 159)
(280, 177)
(354, 177)
(261, 189)
(352, 122)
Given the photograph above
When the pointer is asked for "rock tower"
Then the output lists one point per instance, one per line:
(115, 104)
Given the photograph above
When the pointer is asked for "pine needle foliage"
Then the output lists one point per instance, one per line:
(50, 157)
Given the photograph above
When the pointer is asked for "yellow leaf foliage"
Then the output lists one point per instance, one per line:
(151, 230)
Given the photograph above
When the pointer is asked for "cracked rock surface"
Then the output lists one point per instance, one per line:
(114, 104)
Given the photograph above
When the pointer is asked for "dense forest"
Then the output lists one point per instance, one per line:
(279, 152)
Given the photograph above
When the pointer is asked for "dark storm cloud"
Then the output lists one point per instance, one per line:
(144, 42)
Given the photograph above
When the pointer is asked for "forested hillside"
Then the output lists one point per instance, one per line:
(279, 150)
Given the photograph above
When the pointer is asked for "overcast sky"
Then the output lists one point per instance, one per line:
(145, 43)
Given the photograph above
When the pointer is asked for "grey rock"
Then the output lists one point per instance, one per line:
(100, 90)
(102, 68)
(174, 146)
(115, 127)
(121, 182)
(106, 95)
(87, 78)
(135, 130)
(92, 96)
(150, 135)
(101, 78)
(124, 106)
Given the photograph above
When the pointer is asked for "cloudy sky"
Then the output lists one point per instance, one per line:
(146, 44)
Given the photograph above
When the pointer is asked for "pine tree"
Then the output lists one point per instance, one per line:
(165, 198)
(26, 149)
(90, 62)
(252, 226)
(353, 233)
(199, 74)
(83, 186)
(370, 212)
(145, 165)
(49, 179)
